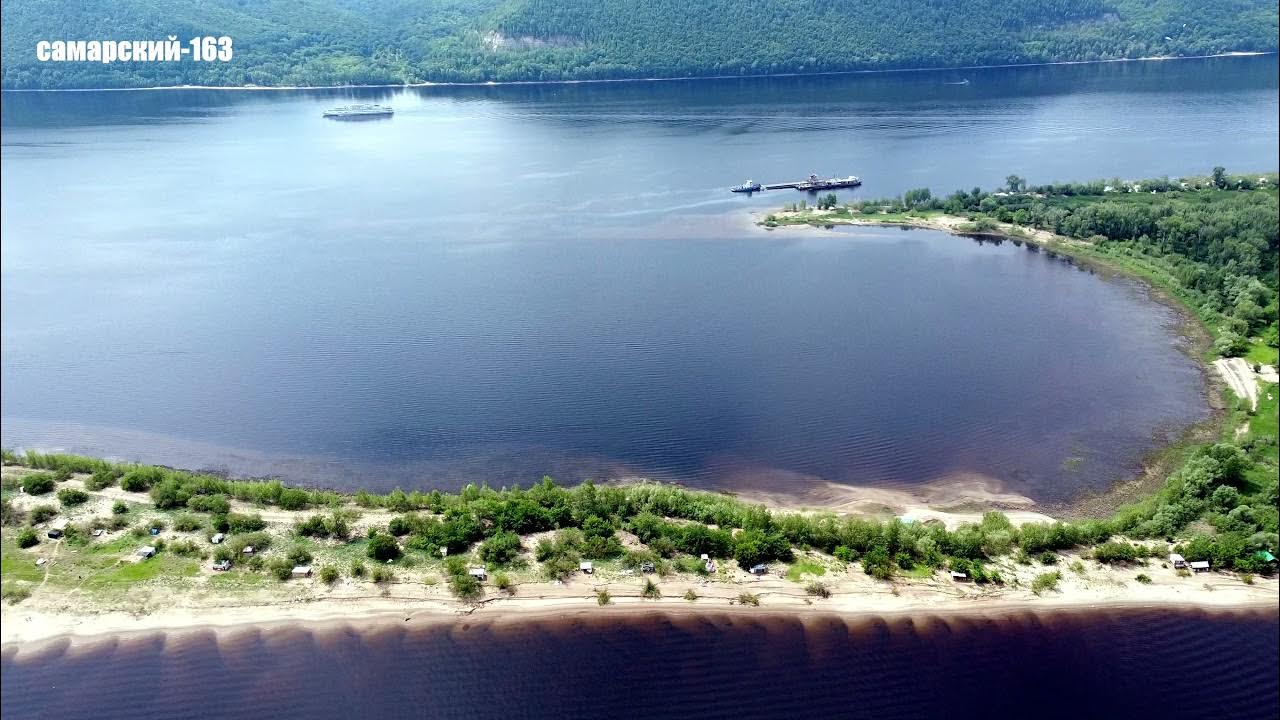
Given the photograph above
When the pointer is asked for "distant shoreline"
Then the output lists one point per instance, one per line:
(597, 81)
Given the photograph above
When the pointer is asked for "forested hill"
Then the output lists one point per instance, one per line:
(321, 42)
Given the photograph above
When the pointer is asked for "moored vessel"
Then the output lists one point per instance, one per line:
(358, 112)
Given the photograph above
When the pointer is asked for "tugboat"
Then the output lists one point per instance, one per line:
(749, 186)
(358, 112)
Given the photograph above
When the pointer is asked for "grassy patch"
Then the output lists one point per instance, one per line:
(1262, 354)
(919, 572)
(18, 565)
(804, 567)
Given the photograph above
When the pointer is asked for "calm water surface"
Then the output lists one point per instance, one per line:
(499, 283)
(1113, 664)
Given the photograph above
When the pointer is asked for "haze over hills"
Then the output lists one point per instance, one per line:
(322, 42)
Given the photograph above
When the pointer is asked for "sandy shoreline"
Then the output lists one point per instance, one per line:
(683, 78)
(30, 631)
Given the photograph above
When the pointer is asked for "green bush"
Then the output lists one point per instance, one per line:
(281, 568)
(28, 538)
(39, 483)
(383, 548)
(504, 583)
(747, 598)
(650, 590)
(102, 478)
(1046, 581)
(466, 587)
(1116, 553)
(238, 523)
(212, 504)
(42, 513)
(501, 548)
(329, 574)
(357, 569)
(1143, 578)
(382, 575)
(119, 507)
(299, 555)
(603, 597)
(141, 478)
(186, 548)
(690, 595)
(292, 499)
(187, 523)
(817, 589)
(11, 514)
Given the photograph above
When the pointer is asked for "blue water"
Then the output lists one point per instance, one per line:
(501, 283)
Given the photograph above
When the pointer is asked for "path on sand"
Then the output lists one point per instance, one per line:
(1237, 374)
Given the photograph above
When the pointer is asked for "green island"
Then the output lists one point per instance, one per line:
(85, 537)
(346, 42)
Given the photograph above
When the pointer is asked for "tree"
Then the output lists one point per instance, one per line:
(1220, 177)
(383, 548)
(500, 549)
(1015, 183)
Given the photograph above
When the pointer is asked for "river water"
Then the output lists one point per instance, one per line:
(504, 282)
(1096, 664)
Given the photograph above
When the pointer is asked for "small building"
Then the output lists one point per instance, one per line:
(1177, 561)
(704, 557)
(586, 567)
(760, 569)
(958, 576)
(97, 532)
(217, 538)
(222, 565)
(1200, 566)
(146, 552)
(478, 573)
(301, 571)
(248, 550)
(646, 567)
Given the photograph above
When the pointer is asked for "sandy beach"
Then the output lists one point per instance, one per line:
(1086, 585)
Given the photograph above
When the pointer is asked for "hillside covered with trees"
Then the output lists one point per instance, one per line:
(322, 42)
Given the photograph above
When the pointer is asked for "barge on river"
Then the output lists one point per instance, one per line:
(812, 184)
(358, 112)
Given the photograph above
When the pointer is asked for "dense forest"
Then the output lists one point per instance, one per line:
(320, 42)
